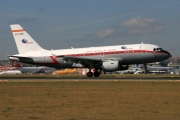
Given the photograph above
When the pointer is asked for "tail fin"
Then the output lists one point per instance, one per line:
(15, 64)
(24, 41)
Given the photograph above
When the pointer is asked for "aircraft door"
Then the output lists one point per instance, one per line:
(143, 50)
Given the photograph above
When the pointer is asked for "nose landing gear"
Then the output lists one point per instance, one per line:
(145, 69)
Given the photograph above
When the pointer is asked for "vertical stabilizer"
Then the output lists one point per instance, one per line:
(24, 41)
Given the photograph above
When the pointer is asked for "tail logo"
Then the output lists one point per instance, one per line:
(26, 41)
(123, 47)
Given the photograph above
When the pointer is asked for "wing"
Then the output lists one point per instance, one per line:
(82, 61)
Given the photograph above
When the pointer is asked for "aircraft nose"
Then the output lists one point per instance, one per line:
(168, 54)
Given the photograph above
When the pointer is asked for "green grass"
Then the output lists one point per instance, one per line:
(99, 100)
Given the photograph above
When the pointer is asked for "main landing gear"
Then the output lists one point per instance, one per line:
(90, 74)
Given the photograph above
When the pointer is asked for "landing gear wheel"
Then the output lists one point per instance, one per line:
(89, 74)
(96, 74)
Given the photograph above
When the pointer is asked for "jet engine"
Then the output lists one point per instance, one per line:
(111, 66)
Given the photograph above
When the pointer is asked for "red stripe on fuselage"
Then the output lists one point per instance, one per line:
(113, 52)
(54, 60)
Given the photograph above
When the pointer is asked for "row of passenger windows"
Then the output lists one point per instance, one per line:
(130, 51)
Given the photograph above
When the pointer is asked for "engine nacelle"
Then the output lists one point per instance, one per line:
(110, 66)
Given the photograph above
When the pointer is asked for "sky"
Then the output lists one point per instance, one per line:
(62, 24)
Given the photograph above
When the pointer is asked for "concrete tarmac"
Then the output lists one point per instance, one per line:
(85, 80)
(52, 78)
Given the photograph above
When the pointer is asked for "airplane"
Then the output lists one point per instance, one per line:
(12, 72)
(106, 58)
(156, 69)
(32, 70)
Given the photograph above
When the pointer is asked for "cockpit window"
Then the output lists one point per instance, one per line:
(158, 49)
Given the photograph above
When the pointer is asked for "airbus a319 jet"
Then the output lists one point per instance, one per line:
(106, 58)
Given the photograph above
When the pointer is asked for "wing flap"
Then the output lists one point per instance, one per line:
(85, 62)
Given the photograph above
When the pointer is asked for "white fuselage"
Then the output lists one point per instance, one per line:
(126, 54)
